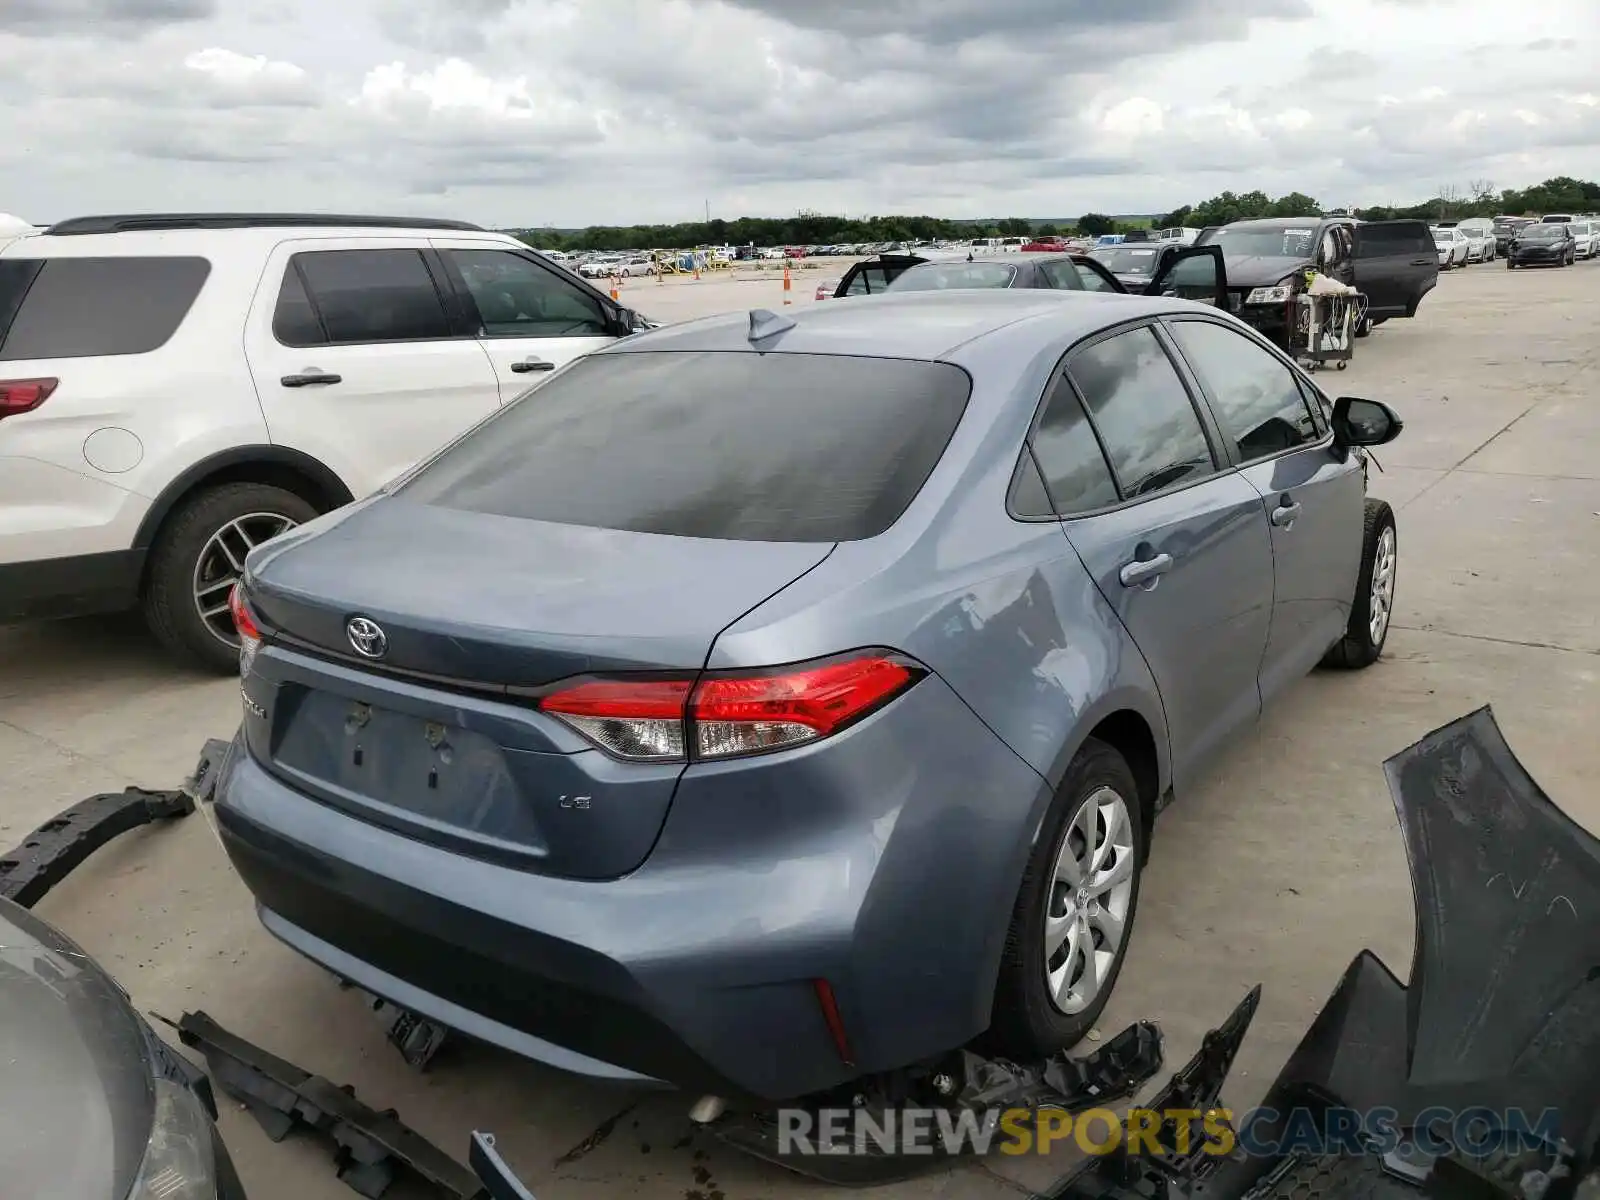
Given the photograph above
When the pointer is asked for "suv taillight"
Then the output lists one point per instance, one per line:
(730, 714)
(24, 395)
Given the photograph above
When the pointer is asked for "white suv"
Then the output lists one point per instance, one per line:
(177, 389)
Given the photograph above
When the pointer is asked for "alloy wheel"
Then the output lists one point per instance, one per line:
(221, 563)
(1383, 565)
(1086, 911)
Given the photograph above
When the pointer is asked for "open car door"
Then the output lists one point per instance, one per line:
(1193, 273)
(872, 276)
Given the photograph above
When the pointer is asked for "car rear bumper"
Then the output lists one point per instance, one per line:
(886, 865)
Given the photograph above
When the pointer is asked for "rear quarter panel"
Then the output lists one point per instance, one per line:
(1005, 614)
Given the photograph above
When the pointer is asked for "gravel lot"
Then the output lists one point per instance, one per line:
(1284, 865)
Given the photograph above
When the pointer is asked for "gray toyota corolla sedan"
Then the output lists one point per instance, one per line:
(767, 700)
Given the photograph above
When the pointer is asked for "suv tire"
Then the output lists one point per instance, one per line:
(170, 606)
(1379, 542)
(1026, 1023)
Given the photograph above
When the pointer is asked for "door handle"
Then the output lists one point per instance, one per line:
(1143, 571)
(531, 364)
(1284, 515)
(1424, 262)
(310, 377)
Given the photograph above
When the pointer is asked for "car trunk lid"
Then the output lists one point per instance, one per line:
(437, 735)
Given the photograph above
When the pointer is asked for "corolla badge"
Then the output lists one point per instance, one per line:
(367, 637)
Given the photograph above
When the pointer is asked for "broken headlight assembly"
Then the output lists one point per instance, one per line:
(179, 1161)
(1278, 294)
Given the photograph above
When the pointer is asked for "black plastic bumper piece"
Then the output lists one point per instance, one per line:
(61, 844)
(963, 1081)
(373, 1147)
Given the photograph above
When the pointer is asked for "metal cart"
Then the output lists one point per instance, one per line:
(1325, 331)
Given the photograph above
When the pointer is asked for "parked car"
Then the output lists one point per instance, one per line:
(1134, 264)
(96, 1104)
(637, 264)
(1480, 239)
(601, 268)
(1543, 244)
(1393, 263)
(637, 771)
(1202, 279)
(1585, 239)
(177, 389)
(1505, 228)
(1558, 218)
(1453, 247)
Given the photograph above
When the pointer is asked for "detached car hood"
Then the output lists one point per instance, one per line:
(76, 1091)
(1260, 270)
(1501, 1014)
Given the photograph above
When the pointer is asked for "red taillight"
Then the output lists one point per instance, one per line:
(246, 625)
(724, 716)
(637, 719)
(834, 1021)
(24, 395)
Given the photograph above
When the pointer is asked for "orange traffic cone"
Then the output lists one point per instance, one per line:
(616, 285)
(787, 285)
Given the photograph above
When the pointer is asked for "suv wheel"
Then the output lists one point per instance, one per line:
(197, 558)
(1074, 911)
(1370, 615)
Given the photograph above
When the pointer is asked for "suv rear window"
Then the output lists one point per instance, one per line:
(89, 307)
(730, 445)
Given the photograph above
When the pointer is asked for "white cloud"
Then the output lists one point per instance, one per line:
(578, 111)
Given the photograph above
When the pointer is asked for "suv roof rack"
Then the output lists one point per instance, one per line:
(162, 221)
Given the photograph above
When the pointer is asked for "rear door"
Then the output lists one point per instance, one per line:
(1194, 273)
(1094, 277)
(529, 317)
(1274, 431)
(1178, 547)
(357, 359)
(873, 276)
(1396, 264)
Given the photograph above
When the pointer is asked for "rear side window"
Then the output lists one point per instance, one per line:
(1069, 455)
(868, 282)
(90, 307)
(1143, 413)
(735, 445)
(1392, 237)
(367, 296)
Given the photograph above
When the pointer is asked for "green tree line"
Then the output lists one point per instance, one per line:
(1478, 199)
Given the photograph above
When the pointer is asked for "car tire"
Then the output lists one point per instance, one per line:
(1027, 1022)
(1510, 266)
(1371, 613)
(201, 540)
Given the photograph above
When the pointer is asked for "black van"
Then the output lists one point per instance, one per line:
(1394, 263)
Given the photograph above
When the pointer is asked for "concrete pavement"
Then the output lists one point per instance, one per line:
(1278, 870)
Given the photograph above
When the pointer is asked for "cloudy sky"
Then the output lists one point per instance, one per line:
(572, 112)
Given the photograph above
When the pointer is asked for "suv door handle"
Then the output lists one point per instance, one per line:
(310, 377)
(1284, 515)
(532, 364)
(1424, 262)
(1143, 571)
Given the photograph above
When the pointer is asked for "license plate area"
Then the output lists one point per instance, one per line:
(440, 773)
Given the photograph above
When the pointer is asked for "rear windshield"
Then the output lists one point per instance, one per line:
(1127, 260)
(735, 445)
(937, 277)
(88, 307)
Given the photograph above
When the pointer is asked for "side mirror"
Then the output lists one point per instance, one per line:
(631, 322)
(1358, 422)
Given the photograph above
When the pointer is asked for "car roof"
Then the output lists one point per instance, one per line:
(1277, 222)
(917, 325)
(177, 233)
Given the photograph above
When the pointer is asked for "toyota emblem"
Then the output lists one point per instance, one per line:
(367, 637)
